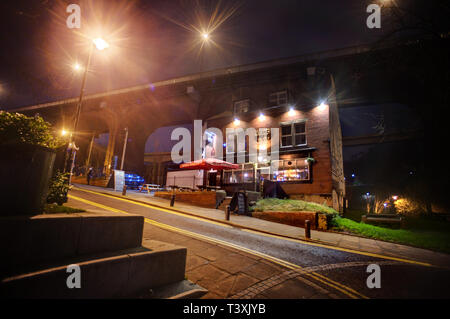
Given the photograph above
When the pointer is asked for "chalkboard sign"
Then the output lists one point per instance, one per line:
(119, 180)
(241, 204)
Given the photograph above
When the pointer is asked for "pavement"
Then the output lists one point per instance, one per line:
(342, 241)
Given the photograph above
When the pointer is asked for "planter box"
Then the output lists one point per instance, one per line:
(202, 199)
(25, 171)
(290, 218)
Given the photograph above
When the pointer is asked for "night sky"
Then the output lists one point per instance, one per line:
(156, 40)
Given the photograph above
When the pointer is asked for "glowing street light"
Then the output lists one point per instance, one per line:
(77, 67)
(205, 36)
(64, 132)
(100, 44)
(236, 121)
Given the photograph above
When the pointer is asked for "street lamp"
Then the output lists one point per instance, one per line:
(100, 44)
(77, 67)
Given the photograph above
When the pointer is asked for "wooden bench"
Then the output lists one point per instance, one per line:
(382, 219)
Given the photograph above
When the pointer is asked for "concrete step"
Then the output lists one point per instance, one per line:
(44, 239)
(155, 264)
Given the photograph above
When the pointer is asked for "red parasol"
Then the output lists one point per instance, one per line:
(209, 163)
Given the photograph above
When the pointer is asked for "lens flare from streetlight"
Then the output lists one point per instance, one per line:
(204, 21)
(63, 132)
(77, 67)
(100, 44)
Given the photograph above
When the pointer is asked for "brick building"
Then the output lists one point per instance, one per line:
(297, 99)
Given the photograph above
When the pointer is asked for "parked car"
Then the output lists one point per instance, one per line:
(133, 181)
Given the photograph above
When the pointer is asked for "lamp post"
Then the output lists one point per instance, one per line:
(100, 44)
(124, 148)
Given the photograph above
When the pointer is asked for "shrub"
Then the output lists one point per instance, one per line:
(58, 188)
(405, 206)
(18, 128)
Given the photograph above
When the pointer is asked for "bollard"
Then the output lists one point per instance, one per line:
(227, 213)
(124, 190)
(172, 200)
(307, 229)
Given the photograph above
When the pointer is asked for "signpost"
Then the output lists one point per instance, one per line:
(119, 180)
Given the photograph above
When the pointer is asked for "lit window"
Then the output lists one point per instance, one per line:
(292, 170)
(278, 98)
(239, 176)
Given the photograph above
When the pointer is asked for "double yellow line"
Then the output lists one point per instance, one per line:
(318, 277)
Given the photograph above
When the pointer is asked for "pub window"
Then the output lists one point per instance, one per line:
(300, 133)
(278, 98)
(286, 135)
(293, 134)
(239, 176)
(292, 170)
(241, 106)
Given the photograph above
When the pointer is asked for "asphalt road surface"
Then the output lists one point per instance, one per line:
(343, 269)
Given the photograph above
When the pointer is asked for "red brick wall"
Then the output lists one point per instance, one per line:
(317, 135)
(203, 199)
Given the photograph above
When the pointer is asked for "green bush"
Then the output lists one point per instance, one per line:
(16, 128)
(58, 188)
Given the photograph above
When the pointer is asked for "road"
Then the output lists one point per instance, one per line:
(337, 269)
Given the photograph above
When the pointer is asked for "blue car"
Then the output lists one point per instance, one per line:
(133, 181)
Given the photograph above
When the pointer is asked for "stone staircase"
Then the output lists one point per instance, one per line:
(113, 260)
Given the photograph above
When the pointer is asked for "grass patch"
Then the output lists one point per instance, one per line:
(436, 239)
(290, 205)
(56, 209)
(420, 232)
